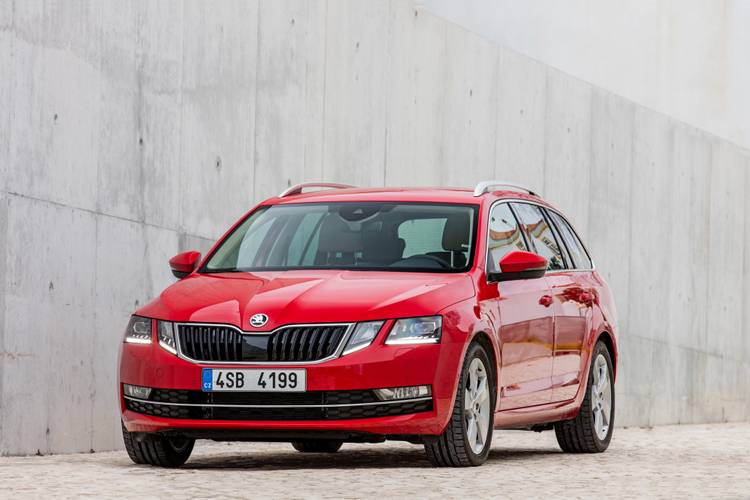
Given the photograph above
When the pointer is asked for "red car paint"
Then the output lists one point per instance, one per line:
(542, 330)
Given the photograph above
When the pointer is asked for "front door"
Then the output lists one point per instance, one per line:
(526, 330)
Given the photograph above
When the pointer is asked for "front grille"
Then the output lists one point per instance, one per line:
(223, 343)
(305, 343)
(210, 342)
(303, 409)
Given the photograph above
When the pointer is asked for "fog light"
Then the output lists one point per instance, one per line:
(409, 392)
(135, 391)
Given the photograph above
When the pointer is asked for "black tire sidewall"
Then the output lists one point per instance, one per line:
(160, 451)
(177, 455)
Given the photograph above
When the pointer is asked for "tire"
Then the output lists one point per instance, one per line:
(583, 434)
(157, 450)
(317, 446)
(454, 447)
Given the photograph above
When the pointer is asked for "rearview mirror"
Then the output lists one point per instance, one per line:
(520, 265)
(184, 263)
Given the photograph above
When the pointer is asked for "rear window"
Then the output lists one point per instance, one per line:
(366, 236)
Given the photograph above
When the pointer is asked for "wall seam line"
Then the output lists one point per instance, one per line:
(586, 82)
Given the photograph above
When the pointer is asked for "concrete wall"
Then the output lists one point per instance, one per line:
(685, 58)
(132, 130)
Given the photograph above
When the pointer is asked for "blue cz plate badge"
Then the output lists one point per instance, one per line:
(253, 380)
(207, 379)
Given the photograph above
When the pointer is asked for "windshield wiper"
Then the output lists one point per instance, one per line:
(222, 270)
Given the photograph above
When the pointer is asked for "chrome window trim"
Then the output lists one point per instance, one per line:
(218, 405)
(337, 353)
(545, 207)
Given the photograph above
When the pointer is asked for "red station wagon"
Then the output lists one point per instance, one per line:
(362, 315)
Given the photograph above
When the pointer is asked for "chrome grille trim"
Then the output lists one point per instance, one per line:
(225, 405)
(336, 353)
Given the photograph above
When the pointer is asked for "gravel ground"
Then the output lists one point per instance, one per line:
(673, 461)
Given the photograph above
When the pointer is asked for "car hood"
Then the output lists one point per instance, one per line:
(319, 296)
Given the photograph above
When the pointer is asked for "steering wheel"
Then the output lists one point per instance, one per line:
(441, 262)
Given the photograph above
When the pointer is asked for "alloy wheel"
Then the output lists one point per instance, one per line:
(477, 406)
(601, 397)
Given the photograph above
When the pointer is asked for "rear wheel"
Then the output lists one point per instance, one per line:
(157, 450)
(317, 446)
(591, 430)
(467, 438)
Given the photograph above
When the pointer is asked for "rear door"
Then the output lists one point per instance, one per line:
(526, 322)
(573, 294)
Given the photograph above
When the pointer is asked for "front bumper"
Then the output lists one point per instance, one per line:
(339, 397)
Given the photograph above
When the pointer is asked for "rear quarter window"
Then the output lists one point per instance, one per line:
(576, 250)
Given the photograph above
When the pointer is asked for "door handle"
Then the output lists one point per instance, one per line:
(545, 300)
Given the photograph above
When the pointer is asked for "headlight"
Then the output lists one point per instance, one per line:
(363, 335)
(416, 331)
(166, 336)
(138, 331)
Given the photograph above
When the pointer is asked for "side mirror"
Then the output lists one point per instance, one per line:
(184, 263)
(520, 265)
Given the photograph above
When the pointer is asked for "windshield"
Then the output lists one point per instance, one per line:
(364, 236)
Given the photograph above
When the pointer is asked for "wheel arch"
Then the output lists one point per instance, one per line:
(485, 340)
(609, 342)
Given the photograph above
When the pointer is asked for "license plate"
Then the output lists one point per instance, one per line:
(255, 380)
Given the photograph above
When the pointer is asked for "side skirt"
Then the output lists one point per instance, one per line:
(521, 418)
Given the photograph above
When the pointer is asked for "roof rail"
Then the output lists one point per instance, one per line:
(484, 187)
(297, 188)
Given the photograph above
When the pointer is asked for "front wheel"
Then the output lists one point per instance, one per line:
(157, 450)
(591, 430)
(467, 438)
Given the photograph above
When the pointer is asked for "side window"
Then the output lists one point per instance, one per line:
(540, 234)
(504, 235)
(560, 243)
(580, 258)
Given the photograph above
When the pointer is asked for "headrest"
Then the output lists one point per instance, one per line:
(335, 236)
(382, 246)
(456, 233)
